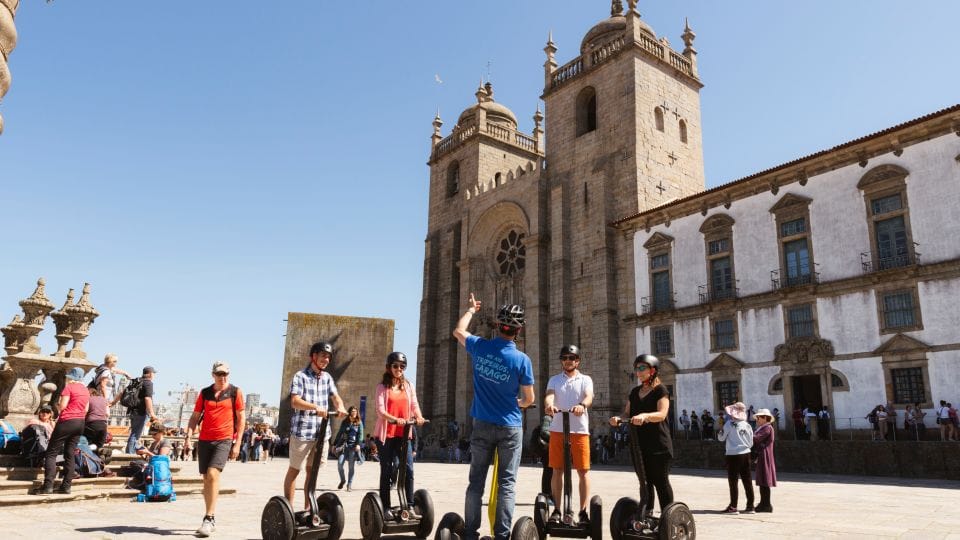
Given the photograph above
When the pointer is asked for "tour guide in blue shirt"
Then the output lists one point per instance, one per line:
(500, 373)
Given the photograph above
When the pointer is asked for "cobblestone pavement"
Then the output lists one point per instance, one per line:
(807, 506)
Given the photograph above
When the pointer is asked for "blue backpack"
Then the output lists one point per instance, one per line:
(9, 438)
(159, 482)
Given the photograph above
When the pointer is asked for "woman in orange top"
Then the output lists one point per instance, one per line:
(396, 405)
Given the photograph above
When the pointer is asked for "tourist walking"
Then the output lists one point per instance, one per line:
(142, 410)
(397, 405)
(219, 413)
(500, 373)
(73, 403)
(646, 408)
(312, 391)
(349, 440)
(570, 390)
(763, 439)
(739, 439)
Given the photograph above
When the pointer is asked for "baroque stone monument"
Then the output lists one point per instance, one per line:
(360, 347)
(20, 396)
(8, 40)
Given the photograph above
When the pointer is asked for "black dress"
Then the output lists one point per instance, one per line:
(655, 445)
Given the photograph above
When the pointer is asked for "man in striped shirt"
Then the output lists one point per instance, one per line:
(311, 392)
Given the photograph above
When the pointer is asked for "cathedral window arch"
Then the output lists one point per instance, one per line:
(497, 180)
(453, 179)
(658, 118)
(586, 111)
(683, 131)
(511, 256)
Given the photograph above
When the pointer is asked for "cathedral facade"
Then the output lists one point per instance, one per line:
(524, 218)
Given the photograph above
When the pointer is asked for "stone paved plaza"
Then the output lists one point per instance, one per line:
(807, 506)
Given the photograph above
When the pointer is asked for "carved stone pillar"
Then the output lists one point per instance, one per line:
(81, 317)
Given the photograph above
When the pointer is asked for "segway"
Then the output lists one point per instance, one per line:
(323, 521)
(409, 516)
(568, 527)
(630, 519)
(451, 524)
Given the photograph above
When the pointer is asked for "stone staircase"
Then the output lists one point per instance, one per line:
(16, 481)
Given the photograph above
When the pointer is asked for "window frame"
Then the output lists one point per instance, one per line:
(719, 227)
(714, 345)
(585, 111)
(657, 245)
(792, 207)
(452, 187)
(882, 292)
(653, 340)
(885, 181)
(787, 324)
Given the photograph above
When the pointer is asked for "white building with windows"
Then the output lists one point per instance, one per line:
(830, 280)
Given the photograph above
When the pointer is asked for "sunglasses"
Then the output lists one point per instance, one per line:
(569, 357)
(221, 373)
(398, 366)
(641, 367)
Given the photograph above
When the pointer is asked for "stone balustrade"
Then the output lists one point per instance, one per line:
(499, 132)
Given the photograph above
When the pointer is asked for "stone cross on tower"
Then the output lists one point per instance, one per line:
(660, 187)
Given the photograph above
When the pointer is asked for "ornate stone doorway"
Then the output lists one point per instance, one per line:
(807, 391)
(805, 374)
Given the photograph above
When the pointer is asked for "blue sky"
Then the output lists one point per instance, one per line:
(210, 166)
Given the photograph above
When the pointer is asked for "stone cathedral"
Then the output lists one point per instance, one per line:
(524, 218)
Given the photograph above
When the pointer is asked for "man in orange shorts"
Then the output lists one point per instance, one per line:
(570, 391)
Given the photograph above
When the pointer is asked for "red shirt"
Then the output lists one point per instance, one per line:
(218, 418)
(397, 407)
(77, 406)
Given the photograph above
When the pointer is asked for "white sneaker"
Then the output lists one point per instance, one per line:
(206, 528)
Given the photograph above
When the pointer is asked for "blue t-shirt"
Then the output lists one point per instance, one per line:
(499, 370)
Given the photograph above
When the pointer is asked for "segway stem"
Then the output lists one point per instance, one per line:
(636, 456)
(567, 464)
(404, 452)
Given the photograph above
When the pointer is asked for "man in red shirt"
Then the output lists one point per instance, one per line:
(219, 413)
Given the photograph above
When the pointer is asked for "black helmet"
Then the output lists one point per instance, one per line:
(570, 349)
(398, 357)
(511, 315)
(321, 347)
(649, 360)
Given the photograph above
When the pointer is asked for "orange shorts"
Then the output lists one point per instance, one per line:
(579, 451)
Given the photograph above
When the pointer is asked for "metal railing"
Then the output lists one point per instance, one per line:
(836, 429)
(654, 304)
(869, 263)
(708, 294)
(778, 283)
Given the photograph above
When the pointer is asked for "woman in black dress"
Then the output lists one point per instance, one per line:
(647, 407)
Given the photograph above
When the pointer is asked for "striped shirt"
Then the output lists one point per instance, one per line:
(313, 388)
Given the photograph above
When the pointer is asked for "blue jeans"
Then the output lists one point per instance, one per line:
(137, 421)
(351, 456)
(507, 442)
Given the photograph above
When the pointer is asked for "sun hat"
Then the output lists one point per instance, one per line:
(737, 411)
(764, 412)
(75, 374)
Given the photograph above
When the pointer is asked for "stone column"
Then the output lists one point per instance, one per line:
(8, 40)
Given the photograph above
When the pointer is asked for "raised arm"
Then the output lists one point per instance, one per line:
(460, 332)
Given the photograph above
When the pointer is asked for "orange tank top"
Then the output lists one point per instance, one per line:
(398, 407)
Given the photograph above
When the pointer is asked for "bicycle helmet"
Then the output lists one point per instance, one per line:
(570, 349)
(649, 360)
(510, 315)
(321, 347)
(397, 357)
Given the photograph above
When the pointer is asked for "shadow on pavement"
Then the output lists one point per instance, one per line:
(127, 529)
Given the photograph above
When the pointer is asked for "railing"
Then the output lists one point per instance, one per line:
(454, 139)
(606, 51)
(680, 63)
(793, 281)
(496, 131)
(708, 294)
(832, 429)
(650, 304)
(567, 71)
(651, 45)
(899, 260)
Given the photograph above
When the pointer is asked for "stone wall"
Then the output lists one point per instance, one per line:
(360, 346)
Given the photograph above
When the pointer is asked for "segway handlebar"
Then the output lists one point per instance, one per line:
(410, 421)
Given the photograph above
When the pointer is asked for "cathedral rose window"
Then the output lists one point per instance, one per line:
(512, 255)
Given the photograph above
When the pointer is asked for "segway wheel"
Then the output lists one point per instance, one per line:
(524, 529)
(596, 518)
(423, 504)
(277, 521)
(371, 516)
(623, 513)
(540, 509)
(676, 523)
(450, 527)
(331, 512)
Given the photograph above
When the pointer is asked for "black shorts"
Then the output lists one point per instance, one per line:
(213, 454)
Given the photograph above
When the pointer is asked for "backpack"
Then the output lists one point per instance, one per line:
(158, 482)
(33, 444)
(209, 394)
(88, 463)
(94, 382)
(131, 394)
(9, 438)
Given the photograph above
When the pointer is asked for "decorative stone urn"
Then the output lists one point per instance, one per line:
(20, 396)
